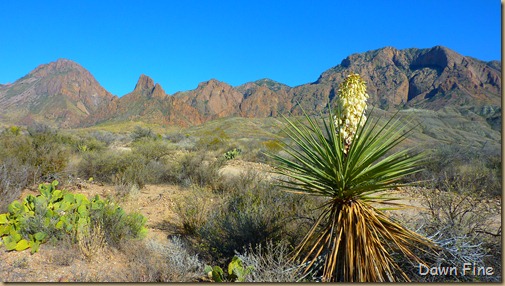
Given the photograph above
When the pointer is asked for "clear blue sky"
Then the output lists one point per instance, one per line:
(182, 43)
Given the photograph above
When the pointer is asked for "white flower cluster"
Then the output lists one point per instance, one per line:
(352, 98)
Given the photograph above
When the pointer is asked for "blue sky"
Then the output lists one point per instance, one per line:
(182, 43)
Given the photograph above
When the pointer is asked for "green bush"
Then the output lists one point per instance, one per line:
(114, 167)
(17, 147)
(50, 150)
(43, 150)
(88, 144)
(272, 146)
(213, 140)
(143, 165)
(117, 224)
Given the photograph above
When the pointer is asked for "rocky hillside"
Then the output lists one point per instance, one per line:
(428, 78)
(61, 93)
(149, 103)
(65, 94)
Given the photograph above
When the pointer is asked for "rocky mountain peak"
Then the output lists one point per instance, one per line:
(212, 83)
(71, 90)
(144, 83)
(61, 66)
(158, 92)
(438, 57)
(271, 84)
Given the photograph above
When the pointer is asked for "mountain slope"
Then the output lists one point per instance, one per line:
(61, 93)
(429, 78)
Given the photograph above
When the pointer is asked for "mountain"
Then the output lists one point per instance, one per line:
(61, 93)
(149, 103)
(264, 98)
(65, 94)
(213, 99)
(428, 78)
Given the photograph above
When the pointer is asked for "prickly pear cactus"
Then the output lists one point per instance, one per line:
(27, 223)
(236, 271)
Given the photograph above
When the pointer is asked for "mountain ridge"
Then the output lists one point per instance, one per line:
(64, 94)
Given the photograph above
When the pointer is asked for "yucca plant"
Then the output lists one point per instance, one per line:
(349, 161)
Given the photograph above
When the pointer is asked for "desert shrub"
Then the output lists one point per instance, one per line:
(141, 133)
(151, 261)
(87, 144)
(51, 150)
(117, 225)
(270, 262)
(257, 155)
(272, 146)
(152, 149)
(13, 178)
(200, 169)
(479, 169)
(114, 167)
(104, 136)
(213, 140)
(45, 151)
(461, 224)
(175, 137)
(253, 212)
(161, 172)
(194, 208)
(146, 163)
(124, 191)
(92, 241)
(16, 146)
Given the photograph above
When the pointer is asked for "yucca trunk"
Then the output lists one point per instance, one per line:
(355, 243)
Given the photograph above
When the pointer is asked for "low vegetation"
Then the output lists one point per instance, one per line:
(218, 217)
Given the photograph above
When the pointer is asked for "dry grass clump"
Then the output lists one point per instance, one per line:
(270, 262)
(151, 261)
(477, 168)
(194, 208)
(464, 226)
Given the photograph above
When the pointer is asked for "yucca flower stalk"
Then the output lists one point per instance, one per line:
(348, 161)
(352, 98)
